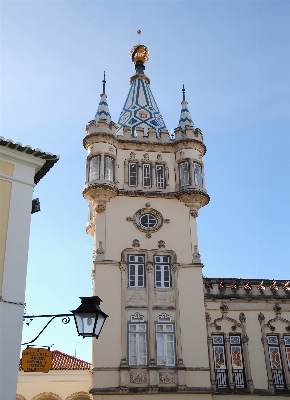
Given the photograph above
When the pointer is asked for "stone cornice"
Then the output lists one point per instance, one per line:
(144, 193)
(146, 143)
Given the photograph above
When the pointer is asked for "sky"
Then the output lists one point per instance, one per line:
(234, 59)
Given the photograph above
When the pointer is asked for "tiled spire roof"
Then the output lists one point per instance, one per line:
(103, 109)
(185, 117)
(140, 109)
(62, 361)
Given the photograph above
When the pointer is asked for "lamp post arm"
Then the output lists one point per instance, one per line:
(65, 320)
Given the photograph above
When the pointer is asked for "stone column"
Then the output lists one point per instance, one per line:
(126, 172)
(153, 176)
(229, 364)
(180, 365)
(249, 379)
(123, 363)
(210, 352)
(166, 175)
(191, 169)
(153, 381)
(140, 165)
(176, 169)
(261, 319)
(102, 168)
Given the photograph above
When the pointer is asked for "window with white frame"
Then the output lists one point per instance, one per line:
(237, 361)
(219, 357)
(94, 168)
(146, 167)
(137, 337)
(162, 271)
(197, 174)
(165, 344)
(109, 168)
(160, 176)
(132, 173)
(136, 268)
(287, 349)
(276, 362)
(184, 174)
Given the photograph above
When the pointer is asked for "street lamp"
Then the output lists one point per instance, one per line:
(89, 317)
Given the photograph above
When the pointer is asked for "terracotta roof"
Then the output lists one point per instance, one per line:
(51, 159)
(62, 361)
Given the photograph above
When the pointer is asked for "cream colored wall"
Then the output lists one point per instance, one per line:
(120, 233)
(17, 182)
(62, 383)
(107, 349)
(192, 320)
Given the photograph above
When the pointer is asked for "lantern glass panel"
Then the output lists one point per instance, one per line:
(85, 323)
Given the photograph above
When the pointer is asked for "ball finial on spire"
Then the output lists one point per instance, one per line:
(139, 52)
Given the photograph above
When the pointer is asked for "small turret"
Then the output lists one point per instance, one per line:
(103, 109)
(185, 117)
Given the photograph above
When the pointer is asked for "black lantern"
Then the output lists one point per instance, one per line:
(89, 317)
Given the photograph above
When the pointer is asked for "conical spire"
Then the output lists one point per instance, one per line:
(185, 117)
(140, 109)
(103, 109)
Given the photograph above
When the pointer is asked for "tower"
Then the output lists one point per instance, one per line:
(144, 189)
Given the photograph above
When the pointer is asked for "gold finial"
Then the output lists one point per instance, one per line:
(139, 33)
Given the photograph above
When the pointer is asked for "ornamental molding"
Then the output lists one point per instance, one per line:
(20, 397)
(224, 310)
(137, 317)
(127, 142)
(47, 395)
(77, 395)
(138, 377)
(147, 210)
(167, 377)
(278, 311)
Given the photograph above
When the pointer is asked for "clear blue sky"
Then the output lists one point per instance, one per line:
(234, 59)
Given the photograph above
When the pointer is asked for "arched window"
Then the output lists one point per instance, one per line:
(184, 173)
(198, 174)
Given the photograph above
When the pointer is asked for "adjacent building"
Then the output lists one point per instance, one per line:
(171, 332)
(21, 168)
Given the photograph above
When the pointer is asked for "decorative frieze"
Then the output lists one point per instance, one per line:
(138, 377)
(135, 297)
(167, 378)
(163, 297)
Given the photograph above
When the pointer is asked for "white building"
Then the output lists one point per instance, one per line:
(21, 168)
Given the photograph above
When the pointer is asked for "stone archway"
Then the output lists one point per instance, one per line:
(20, 397)
(46, 396)
(79, 396)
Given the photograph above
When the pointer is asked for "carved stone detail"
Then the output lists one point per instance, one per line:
(159, 157)
(100, 208)
(132, 156)
(193, 213)
(167, 377)
(123, 267)
(175, 268)
(161, 244)
(138, 377)
(145, 157)
(136, 296)
(163, 297)
(100, 249)
(136, 243)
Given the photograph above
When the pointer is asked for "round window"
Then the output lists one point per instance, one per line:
(148, 221)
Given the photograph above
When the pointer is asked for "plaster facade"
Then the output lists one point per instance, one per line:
(21, 168)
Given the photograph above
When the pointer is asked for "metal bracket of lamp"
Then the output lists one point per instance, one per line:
(89, 318)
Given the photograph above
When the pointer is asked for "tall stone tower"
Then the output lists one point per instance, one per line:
(144, 188)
